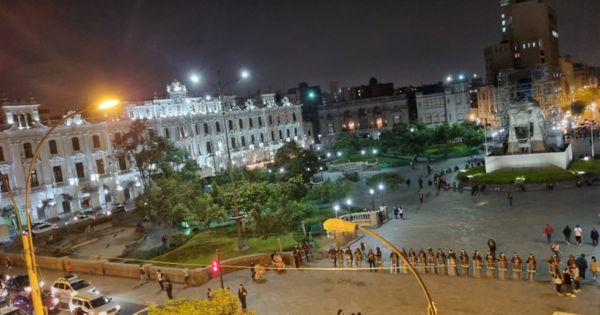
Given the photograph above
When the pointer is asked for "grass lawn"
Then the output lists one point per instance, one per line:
(200, 249)
(370, 159)
(507, 176)
(458, 149)
(591, 167)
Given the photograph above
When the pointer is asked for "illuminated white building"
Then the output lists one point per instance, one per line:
(78, 167)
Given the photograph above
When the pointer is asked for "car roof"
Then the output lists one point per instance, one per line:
(87, 296)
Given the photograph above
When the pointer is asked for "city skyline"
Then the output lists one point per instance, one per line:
(134, 51)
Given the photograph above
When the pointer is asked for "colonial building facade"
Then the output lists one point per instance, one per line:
(79, 167)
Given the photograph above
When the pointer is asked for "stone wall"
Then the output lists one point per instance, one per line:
(198, 276)
(526, 160)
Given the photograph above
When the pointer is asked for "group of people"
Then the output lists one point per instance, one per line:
(438, 262)
(164, 283)
(577, 231)
(572, 273)
(302, 252)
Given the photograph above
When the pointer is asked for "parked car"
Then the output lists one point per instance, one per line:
(120, 208)
(70, 285)
(42, 228)
(82, 217)
(24, 302)
(94, 304)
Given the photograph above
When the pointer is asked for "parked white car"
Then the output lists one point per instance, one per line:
(43, 227)
(82, 217)
(68, 286)
(94, 304)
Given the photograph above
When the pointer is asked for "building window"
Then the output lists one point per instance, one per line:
(34, 179)
(241, 123)
(118, 138)
(252, 140)
(52, 146)
(96, 141)
(250, 124)
(27, 150)
(287, 132)
(230, 122)
(79, 170)
(270, 120)
(233, 142)
(57, 171)
(4, 183)
(294, 117)
(75, 143)
(296, 132)
(100, 166)
(262, 137)
(197, 129)
(278, 120)
(243, 141)
(208, 147)
(280, 135)
(272, 135)
(1, 154)
(167, 135)
(330, 128)
(122, 163)
(218, 126)
(206, 131)
(260, 121)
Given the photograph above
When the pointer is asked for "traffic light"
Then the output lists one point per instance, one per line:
(215, 266)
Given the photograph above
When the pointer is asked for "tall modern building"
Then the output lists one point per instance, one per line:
(529, 38)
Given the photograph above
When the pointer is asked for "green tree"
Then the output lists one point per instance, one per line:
(223, 303)
(473, 138)
(330, 191)
(391, 180)
(296, 161)
(346, 142)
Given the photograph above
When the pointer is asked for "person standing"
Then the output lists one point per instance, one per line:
(407, 183)
(574, 271)
(578, 231)
(548, 230)
(420, 183)
(401, 212)
(160, 279)
(210, 295)
(371, 260)
(567, 234)
(510, 199)
(168, 289)
(492, 246)
(143, 278)
(242, 293)
(582, 265)
(594, 236)
(555, 248)
(69, 268)
(396, 213)
(421, 196)
(594, 268)
(531, 267)
(358, 258)
(567, 280)
(186, 276)
(557, 279)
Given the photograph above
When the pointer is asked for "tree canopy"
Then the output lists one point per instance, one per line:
(296, 161)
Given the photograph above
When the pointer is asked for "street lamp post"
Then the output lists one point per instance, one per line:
(321, 169)
(592, 127)
(372, 192)
(382, 188)
(336, 208)
(28, 246)
(236, 214)
(338, 225)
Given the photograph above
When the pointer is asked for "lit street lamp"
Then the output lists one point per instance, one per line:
(336, 208)
(321, 169)
(372, 192)
(349, 204)
(381, 187)
(28, 246)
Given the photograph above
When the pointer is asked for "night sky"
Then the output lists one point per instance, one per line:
(67, 53)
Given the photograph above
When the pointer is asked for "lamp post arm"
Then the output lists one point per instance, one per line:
(28, 246)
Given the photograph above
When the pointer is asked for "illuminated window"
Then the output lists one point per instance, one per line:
(379, 122)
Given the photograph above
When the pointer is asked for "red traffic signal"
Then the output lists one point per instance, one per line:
(215, 266)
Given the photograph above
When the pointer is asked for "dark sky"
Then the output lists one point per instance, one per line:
(67, 53)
